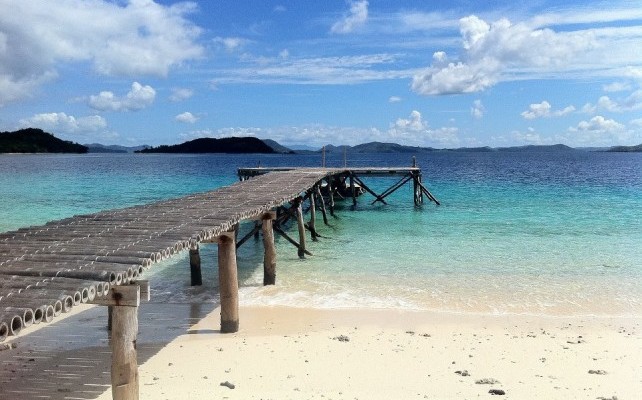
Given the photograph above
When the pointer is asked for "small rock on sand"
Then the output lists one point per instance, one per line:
(597, 372)
(341, 338)
(228, 384)
(462, 373)
(486, 381)
(496, 392)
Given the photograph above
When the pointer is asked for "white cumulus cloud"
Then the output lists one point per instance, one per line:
(357, 17)
(133, 38)
(632, 102)
(603, 131)
(598, 124)
(490, 51)
(63, 123)
(186, 117)
(478, 109)
(415, 130)
(137, 98)
(544, 110)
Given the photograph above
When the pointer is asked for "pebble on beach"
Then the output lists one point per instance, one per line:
(228, 384)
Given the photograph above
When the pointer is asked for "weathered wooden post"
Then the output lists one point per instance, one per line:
(124, 301)
(228, 283)
(299, 220)
(269, 256)
(195, 266)
(313, 217)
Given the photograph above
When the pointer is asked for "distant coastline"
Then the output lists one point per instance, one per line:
(33, 140)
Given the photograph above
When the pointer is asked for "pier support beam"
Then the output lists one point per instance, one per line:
(228, 283)
(353, 192)
(301, 226)
(313, 217)
(331, 195)
(322, 202)
(269, 256)
(195, 266)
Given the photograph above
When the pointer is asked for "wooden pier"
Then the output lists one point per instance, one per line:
(100, 258)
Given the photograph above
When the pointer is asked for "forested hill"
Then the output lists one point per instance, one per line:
(33, 140)
(234, 145)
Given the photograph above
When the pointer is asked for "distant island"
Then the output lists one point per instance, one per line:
(33, 140)
(232, 145)
(113, 148)
(626, 149)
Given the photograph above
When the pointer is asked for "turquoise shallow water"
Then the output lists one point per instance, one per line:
(540, 233)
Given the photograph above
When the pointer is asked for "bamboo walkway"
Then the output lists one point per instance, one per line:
(45, 270)
(99, 258)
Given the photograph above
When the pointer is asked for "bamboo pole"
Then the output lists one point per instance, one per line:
(269, 256)
(228, 283)
(13, 322)
(26, 314)
(4, 331)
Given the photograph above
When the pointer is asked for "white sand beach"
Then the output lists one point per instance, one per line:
(289, 353)
(295, 353)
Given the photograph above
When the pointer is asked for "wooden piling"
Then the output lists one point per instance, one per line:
(228, 283)
(269, 257)
(195, 266)
(301, 226)
(124, 364)
(313, 217)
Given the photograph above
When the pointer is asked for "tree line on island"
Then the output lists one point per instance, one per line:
(32, 140)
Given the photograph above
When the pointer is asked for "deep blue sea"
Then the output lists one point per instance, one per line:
(526, 233)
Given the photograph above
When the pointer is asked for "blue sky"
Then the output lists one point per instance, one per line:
(428, 73)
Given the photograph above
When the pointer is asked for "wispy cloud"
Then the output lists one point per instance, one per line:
(356, 17)
(181, 94)
(322, 70)
(231, 43)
